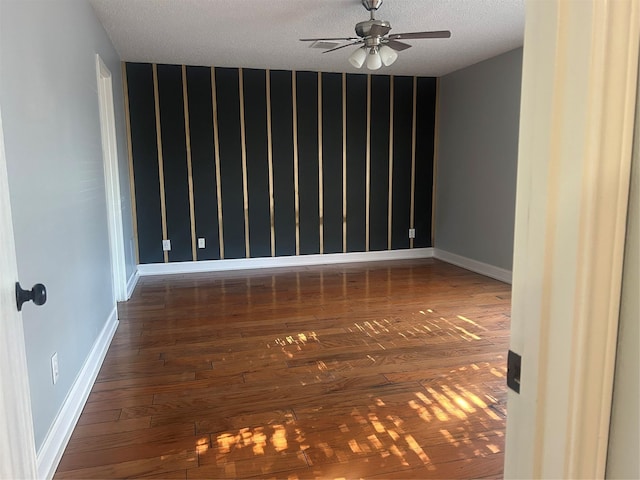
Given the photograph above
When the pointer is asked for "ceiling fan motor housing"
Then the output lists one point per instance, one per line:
(363, 29)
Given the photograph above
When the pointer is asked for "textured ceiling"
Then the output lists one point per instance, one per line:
(264, 34)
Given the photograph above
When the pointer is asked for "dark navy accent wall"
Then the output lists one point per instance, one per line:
(203, 166)
(255, 95)
(283, 177)
(379, 182)
(356, 161)
(332, 161)
(228, 98)
(402, 124)
(145, 165)
(174, 157)
(307, 100)
(255, 120)
(425, 122)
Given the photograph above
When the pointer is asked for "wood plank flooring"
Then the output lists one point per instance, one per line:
(377, 370)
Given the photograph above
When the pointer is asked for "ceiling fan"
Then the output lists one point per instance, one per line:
(378, 46)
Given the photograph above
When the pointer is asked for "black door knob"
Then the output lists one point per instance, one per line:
(38, 294)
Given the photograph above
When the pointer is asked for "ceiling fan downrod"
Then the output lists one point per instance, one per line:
(372, 5)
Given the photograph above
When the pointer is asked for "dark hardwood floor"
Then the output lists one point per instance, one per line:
(378, 370)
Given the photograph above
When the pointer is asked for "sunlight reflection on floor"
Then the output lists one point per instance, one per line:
(388, 426)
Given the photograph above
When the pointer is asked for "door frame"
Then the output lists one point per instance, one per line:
(580, 66)
(111, 179)
(17, 443)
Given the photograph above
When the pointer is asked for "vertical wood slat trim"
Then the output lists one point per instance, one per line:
(344, 163)
(243, 145)
(320, 180)
(294, 94)
(187, 135)
(270, 162)
(390, 217)
(368, 168)
(163, 207)
(436, 133)
(216, 150)
(413, 159)
(132, 185)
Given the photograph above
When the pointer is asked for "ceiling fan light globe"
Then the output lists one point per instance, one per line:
(374, 62)
(388, 55)
(358, 57)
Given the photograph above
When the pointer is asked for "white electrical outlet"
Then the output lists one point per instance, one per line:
(166, 245)
(412, 233)
(201, 243)
(55, 373)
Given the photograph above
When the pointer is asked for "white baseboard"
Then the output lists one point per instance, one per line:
(275, 262)
(131, 284)
(479, 267)
(58, 436)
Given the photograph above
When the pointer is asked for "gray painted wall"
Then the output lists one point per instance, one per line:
(479, 115)
(48, 93)
(624, 437)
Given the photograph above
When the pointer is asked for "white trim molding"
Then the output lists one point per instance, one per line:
(485, 269)
(60, 432)
(277, 262)
(111, 179)
(580, 67)
(131, 283)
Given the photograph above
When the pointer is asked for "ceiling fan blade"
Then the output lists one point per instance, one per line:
(343, 46)
(397, 46)
(346, 39)
(410, 35)
(379, 30)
